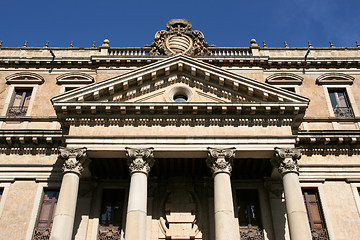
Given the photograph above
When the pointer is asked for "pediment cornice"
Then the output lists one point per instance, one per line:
(158, 73)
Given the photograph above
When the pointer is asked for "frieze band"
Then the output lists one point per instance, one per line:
(140, 159)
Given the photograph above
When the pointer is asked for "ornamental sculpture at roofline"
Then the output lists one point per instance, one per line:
(178, 38)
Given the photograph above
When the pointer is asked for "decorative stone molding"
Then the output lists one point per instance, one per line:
(220, 159)
(74, 78)
(74, 159)
(286, 160)
(24, 77)
(335, 78)
(179, 39)
(284, 78)
(140, 159)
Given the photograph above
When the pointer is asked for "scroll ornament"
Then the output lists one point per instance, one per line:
(220, 159)
(286, 159)
(74, 159)
(140, 159)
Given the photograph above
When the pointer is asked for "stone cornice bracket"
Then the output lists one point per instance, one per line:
(74, 159)
(286, 160)
(220, 160)
(140, 159)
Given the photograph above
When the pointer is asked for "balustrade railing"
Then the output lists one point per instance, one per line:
(230, 52)
(41, 233)
(129, 51)
(343, 112)
(17, 111)
(251, 233)
(144, 51)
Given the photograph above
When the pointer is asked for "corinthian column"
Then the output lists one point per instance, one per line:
(220, 162)
(140, 161)
(65, 210)
(286, 160)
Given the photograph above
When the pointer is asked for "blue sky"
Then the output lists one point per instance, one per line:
(224, 23)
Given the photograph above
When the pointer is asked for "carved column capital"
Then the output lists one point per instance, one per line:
(220, 159)
(74, 159)
(286, 159)
(140, 159)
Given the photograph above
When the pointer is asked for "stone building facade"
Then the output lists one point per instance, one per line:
(179, 140)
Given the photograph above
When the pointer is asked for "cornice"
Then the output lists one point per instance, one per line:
(30, 141)
(329, 142)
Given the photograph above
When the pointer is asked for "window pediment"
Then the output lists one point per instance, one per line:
(74, 78)
(24, 77)
(335, 78)
(285, 78)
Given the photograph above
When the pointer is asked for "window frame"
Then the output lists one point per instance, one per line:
(42, 203)
(64, 86)
(94, 220)
(37, 206)
(264, 205)
(351, 99)
(11, 94)
(355, 187)
(325, 209)
(283, 86)
(5, 188)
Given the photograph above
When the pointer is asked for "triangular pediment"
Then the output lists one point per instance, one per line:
(211, 82)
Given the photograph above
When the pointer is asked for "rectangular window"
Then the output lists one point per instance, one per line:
(20, 102)
(248, 212)
(112, 212)
(340, 103)
(315, 214)
(1, 192)
(70, 88)
(291, 89)
(46, 215)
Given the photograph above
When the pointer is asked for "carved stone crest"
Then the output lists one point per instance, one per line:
(220, 159)
(74, 159)
(140, 159)
(179, 39)
(286, 159)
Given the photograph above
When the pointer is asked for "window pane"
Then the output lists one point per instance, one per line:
(248, 207)
(313, 207)
(48, 207)
(112, 207)
(333, 99)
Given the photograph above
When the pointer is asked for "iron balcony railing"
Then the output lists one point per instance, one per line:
(251, 233)
(41, 233)
(343, 112)
(17, 111)
(319, 234)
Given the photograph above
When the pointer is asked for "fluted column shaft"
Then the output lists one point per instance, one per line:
(287, 162)
(220, 162)
(63, 223)
(140, 161)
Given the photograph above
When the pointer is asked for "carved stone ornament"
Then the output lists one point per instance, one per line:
(179, 39)
(286, 159)
(74, 159)
(140, 159)
(220, 159)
